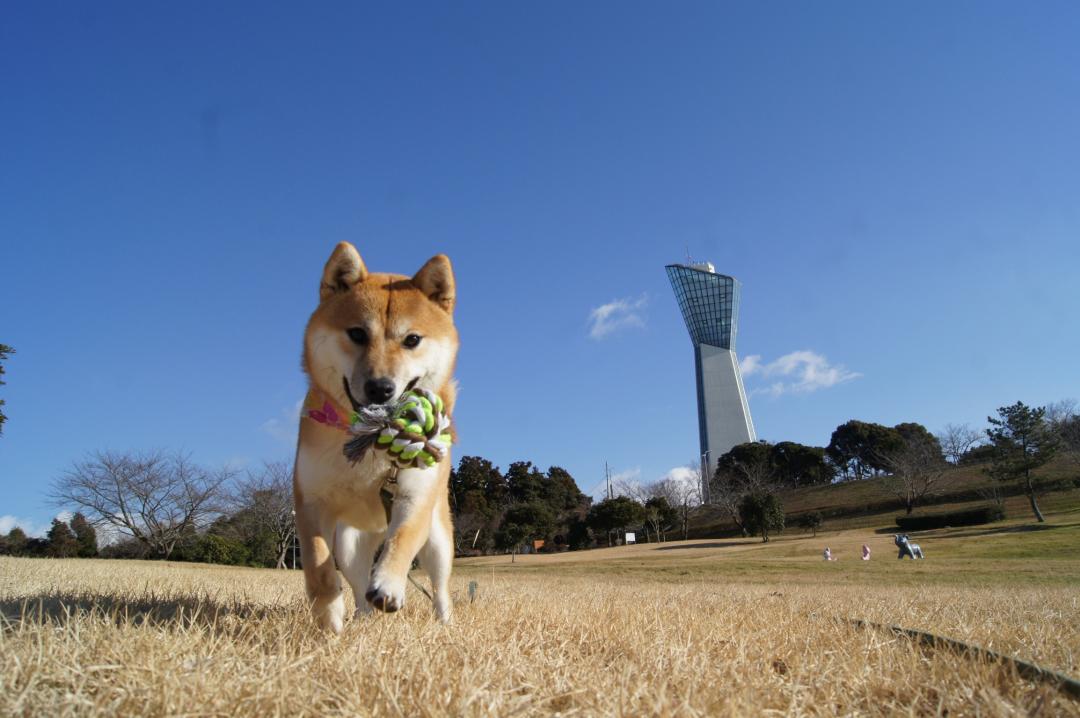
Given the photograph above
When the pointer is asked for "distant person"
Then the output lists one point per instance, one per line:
(828, 555)
(865, 552)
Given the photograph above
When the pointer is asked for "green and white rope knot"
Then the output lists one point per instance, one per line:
(415, 430)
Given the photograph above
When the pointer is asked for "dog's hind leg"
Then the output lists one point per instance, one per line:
(316, 531)
(437, 557)
(355, 553)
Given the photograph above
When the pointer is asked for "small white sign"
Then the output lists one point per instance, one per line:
(630, 538)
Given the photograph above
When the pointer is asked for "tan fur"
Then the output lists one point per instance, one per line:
(333, 497)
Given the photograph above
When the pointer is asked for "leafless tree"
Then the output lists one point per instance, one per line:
(633, 490)
(958, 439)
(1064, 418)
(263, 501)
(654, 519)
(1061, 412)
(682, 492)
(1069, 433)
(642, 493)
(914, 470)
(156, 498)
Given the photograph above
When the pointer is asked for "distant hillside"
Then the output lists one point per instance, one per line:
(854, 504)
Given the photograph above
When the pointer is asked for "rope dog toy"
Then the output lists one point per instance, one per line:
(415, 430)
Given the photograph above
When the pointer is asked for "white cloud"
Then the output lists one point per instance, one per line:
(615, 315)
(683, 474)
(799, 372)
(29, 526)
(750, 364)
(284, 428)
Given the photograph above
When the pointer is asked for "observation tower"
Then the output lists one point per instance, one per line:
(709, 303)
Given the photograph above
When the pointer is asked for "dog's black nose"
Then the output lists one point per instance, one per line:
(379, 391)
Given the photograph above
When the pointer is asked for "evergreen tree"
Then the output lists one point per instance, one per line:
(1023, 441)
(521, 522)
(762, 512)
(524, 482)
(61, 538)
(856, 447)
(85, 536)
(16, 542)
(615, 514)
(478, 495)
(812, 521)
(798, 465)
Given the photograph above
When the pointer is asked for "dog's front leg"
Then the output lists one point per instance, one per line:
(410, 522)
(315, 529)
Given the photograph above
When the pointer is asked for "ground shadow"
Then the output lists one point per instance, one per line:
(61, 607)
(709, 544)
(970, 531)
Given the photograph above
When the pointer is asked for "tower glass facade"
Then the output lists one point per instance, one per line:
(709, 303)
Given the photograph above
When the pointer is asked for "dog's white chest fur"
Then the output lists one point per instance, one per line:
(326, 476)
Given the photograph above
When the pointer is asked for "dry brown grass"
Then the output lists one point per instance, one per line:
(566, 635)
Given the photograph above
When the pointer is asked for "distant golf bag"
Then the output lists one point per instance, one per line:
(906, 547)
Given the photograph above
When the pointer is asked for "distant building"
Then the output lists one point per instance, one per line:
(709, 303)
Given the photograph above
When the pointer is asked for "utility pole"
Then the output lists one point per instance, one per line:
(607, 478)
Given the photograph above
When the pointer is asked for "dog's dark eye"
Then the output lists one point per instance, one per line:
(358, 335)
(412, 341)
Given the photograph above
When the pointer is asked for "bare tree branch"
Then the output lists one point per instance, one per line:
(682, 493)
(914, 470)
(958, 439)
(263, 501)
(155, 498)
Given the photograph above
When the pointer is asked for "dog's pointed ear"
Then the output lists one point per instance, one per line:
(436, 280)
(344, 270)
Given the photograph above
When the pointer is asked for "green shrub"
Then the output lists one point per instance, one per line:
(219, 549)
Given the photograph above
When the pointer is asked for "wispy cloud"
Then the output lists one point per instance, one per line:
(283, 428)
(799, 372)
(616, 315)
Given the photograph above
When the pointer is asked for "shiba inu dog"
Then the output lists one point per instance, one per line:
(372, 338)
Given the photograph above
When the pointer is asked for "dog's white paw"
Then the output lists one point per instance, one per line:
(386, 594)
(443, 611)
(331, 615)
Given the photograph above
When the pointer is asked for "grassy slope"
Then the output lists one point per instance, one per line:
(1012, 552)
(855, 501)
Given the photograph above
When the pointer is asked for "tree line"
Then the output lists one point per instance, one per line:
(163, 505)
(503, 511)
(75, 538)
(911, 462)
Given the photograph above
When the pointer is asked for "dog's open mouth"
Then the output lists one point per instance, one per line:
(356, 405)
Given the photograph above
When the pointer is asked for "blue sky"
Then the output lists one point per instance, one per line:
(897, 188)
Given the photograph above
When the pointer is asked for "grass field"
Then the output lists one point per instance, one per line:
(709, 627)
